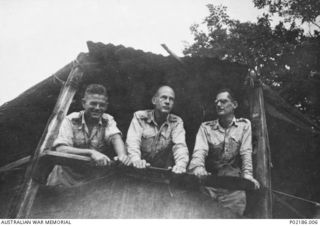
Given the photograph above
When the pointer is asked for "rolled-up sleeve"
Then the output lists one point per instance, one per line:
(179, 149)
(111, 130)
(65, 134)
(246, 150)
(133, 141)
(201, 150)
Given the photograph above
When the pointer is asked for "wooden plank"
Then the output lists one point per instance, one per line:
(172, 53)
(54, 156)
(262, 169)
(118, 196)
(58, 157)
(15, 164)
(185, 180)
(23, 203)
(64, 157)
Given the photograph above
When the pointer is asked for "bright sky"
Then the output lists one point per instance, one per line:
(38, 37)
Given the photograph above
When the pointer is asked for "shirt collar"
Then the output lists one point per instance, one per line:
(218, 126)
(234, 122)
(83, 121)
(150, 118)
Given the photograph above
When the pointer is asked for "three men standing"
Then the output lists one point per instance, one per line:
(156, 137)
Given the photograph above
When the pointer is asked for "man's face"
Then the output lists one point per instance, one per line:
(164, 100)
(224, 104)
(94, 105)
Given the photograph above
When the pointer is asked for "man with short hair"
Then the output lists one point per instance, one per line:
(224, 147)
(91, 133)
(157, 137)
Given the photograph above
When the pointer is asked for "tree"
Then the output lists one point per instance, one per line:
(285, 58)
(306, 10)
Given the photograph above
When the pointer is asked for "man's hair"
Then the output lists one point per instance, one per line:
(160, 87)
(96, 89)
(226, 90)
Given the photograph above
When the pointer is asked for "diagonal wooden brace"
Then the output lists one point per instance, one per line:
(22, 204)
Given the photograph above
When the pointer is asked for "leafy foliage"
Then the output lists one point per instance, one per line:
(306, 10)
(285, 58)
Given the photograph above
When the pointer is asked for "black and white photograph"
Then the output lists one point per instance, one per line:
(159, 109)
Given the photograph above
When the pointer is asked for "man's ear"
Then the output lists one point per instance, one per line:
(235, 104)
(83, 101)
(153, 100)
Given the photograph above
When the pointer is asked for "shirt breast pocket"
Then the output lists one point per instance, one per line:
(215, 151)
(234, 144)
(79, 140)
(97, 144)
(147, 140)
(165, 139)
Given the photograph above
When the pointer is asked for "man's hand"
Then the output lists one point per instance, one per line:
(178, 169)
(140, 164)
(124, 159)
(256, 183)
(200, 171)
(99, 158)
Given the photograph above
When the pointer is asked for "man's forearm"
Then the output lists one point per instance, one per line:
(133, 148)
(198, 159)
(246, 163)
(134, 154)
(181, 155)
(73, 150)
(118, 145)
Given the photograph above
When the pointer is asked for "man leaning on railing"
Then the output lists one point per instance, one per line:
(91, 133)
(156, 137)
(223, 147)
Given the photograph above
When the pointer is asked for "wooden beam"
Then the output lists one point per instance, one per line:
(172, 53)
(60, 158)
(54, 155)
(15, 164)
(24, 201)
(262, 169)
(184, 180)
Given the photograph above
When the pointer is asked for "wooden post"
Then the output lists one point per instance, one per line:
(172, 53)
(24, 201)
(263, 205)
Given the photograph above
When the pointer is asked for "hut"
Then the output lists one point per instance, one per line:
(285, 141)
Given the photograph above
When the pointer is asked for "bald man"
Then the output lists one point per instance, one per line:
(157, 137)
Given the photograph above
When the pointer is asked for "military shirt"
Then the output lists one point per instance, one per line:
(149, 141)
(224, 151)
(74, 132)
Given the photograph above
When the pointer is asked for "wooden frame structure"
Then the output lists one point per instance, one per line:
(23, 203)
(261, 150)
(24, 200)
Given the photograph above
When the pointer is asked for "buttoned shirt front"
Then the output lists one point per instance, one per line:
(147, 140)
(224, 151)
(74, 132)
